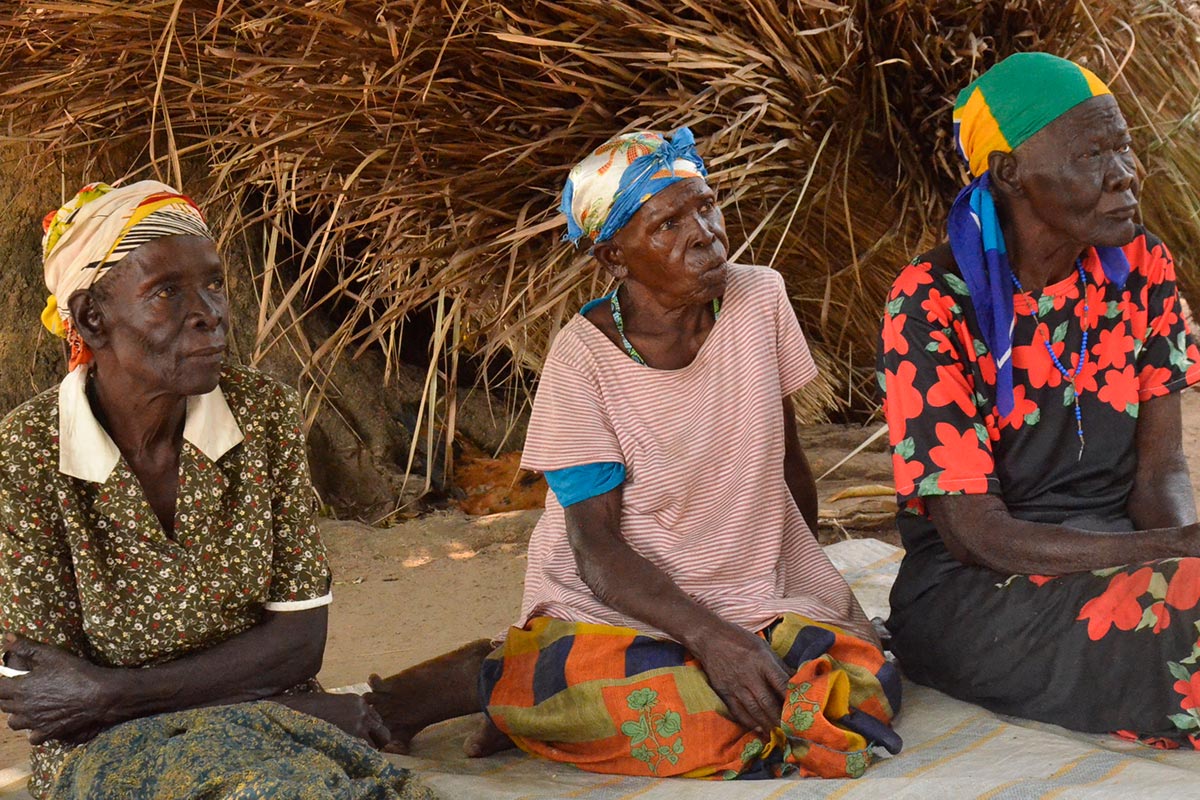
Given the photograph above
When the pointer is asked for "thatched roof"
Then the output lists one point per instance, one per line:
(410, 152)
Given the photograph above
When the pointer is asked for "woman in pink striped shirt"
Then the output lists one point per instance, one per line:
(679, 617)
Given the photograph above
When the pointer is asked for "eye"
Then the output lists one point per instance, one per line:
(217, 284)
(1124, 148)
(667, 224)
(166, 292)
(709, 206)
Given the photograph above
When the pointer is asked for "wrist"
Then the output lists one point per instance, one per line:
(113, 694)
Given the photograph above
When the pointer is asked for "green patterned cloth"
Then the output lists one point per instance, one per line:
(241, 752)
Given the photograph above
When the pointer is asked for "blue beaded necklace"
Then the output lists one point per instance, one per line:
(615, 305)
(1070, 375)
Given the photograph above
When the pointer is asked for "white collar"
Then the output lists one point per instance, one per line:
(86, 451)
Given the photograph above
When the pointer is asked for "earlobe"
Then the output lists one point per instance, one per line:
(1005, 173)
(610, 257)
(87, 319)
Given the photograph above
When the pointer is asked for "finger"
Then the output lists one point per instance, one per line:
(379, 734)
(376, 683)
(19, 722)
(739, 714)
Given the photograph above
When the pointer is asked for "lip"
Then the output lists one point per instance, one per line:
(1125, 212)
(208, 352)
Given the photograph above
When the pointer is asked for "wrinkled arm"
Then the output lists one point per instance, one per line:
(740, 666)
(1162, 488)
(978, 530)
(796, 470)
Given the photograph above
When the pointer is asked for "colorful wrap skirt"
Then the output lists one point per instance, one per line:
(612, 700)
(1116, 650)
(251, 751)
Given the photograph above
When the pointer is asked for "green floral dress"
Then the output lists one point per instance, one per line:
(85, 564)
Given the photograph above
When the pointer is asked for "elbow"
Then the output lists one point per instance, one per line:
(595, 573)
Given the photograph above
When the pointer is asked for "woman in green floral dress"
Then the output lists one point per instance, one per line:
(159, 562)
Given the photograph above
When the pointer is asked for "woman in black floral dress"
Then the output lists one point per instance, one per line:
(1046, 510)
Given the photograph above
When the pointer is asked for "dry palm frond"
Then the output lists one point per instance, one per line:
(409, 153)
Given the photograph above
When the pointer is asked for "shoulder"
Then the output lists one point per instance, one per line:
(932, 271)
(575, 347)
(251, 394)
(752, 279)
(30, 431)
(1149, 257)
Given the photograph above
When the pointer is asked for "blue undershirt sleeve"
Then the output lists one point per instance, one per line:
(575, 484)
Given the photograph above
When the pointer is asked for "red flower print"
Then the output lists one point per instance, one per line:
(952, 387)
(937, 307)
(1134, 314)
(906, 473)
(893, 334)
(1096, 306)
(1190, 689)
(965, 464)
(902, 401)
(1113, 347)
(1021, 407)
(1118, 605)
(1120, 389)
(987, 368)
(1162, 617)
(944, 345)
(1041, 580)
(1183, 592)
(910, 279)
(1193, 373)
(1152, 382)
(1162, 324)
(1036, 362)
(1085, 381)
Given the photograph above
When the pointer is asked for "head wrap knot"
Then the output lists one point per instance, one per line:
(606, 188)
(97, 228)
(999, 111)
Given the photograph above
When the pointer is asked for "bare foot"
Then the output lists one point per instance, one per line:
(486, 740)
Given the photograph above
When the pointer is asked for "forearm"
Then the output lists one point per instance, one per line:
(998, 541)
(285, 649)
(796, 470)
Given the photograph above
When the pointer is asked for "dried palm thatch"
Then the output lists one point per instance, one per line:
(407, 154)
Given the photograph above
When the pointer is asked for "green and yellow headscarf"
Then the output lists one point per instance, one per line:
(1015, 99)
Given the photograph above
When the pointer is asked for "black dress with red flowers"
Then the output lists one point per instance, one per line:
(1097, 651)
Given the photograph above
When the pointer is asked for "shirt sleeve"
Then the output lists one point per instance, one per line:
(569, 425)
(1166, 354)
(299, 570)
(573, 485)
(929, 362)
(796, 365)
(38, 595)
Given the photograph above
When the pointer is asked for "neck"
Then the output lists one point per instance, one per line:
(1037, 255)
(649, 314)
(138, 422)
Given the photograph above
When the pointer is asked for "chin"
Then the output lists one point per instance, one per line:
(1115, 234)
(198, 382)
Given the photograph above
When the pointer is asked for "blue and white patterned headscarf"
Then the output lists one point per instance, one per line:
(606, 189)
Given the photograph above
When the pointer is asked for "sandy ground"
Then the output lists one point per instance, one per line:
(407, 593)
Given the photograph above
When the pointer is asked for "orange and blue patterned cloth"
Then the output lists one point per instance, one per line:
(999, 111)
(611, 700)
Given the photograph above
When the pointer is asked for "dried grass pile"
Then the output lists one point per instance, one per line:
(409, 152)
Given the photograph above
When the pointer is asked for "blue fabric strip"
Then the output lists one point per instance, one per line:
(590, 304)
(573, 485)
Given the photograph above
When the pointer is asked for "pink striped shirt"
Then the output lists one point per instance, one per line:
(703, 447)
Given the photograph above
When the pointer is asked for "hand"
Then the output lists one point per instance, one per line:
(350, 712)
(62, 697)
(747, 675)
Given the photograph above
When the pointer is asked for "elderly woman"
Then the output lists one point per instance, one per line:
(1032, 367)
(158, 551)
(679, 617)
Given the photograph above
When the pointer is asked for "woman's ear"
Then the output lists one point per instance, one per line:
(610, 257)
(88, 319)
(1006, 175)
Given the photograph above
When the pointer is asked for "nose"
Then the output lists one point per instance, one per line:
(208, 310)
(705, 231)
(1122, 173)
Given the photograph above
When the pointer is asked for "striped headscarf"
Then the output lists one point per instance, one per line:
(606, 189)
(97, 228)
(999, 111)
